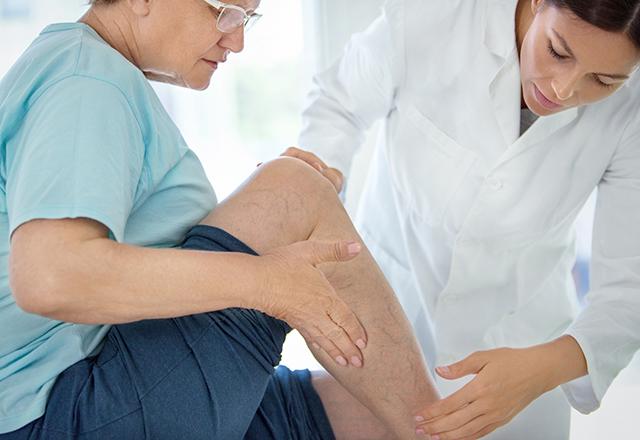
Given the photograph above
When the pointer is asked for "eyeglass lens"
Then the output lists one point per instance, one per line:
(231, 19)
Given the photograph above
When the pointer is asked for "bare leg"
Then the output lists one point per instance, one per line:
(350, 419)
(286, 201)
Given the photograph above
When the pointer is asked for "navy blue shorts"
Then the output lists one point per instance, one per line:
(208, 376)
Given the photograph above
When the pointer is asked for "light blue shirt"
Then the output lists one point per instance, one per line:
(82, 134)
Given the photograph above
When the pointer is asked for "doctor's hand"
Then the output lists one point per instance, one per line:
(333, 175)
(507, 381)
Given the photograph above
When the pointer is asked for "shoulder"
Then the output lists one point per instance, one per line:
(97, 60)
(425, 28)
(615, 125)
(72, 57)
(631, 109)
(619, 114)
(79, 68)
(49, 82)
(432, 36)
(85, 97)
(432, 16)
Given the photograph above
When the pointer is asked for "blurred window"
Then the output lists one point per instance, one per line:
(14, 9)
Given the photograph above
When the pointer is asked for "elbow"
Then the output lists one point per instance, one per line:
(40, 294)
(32, 303)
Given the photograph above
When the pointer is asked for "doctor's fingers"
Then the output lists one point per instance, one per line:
(461, 398)
(483, 432)
(333, 175)
(475, 429)
(455, 421)
(306, 156)
(469, 430)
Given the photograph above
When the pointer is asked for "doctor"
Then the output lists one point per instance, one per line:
(500, 119)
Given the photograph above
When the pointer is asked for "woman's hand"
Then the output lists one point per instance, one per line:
(507, 381)
(299, 294)
(333, 175)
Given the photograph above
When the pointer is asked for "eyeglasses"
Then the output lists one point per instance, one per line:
(232, 17)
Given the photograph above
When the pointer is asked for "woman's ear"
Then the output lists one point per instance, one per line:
(141, 8)
(536, 5)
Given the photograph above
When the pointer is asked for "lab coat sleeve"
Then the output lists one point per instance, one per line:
(356, 91)
(608, 329)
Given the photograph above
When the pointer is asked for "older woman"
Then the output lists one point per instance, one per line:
(118, 317)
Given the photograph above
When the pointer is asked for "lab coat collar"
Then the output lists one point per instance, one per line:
(505, 91)
(504, 78)
(500, 27)
(542, 129)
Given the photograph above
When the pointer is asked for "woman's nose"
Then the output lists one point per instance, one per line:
(564, 87)
(233, 41)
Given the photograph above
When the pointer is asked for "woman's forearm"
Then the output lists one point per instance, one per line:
(69, 270)
(563, 359)
(105, 282)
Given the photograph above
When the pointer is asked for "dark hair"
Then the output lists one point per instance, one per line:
(608, 15)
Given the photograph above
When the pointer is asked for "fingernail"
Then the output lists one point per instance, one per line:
(356, 361)
(444, 370)
(318, 166)
(419, 419)
(354, 248)
(435, 437)
(361, 344)
(315, 345)
(342, 361)
(420, 431)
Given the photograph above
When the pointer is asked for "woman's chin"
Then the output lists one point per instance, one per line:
(199, 82)
(200, 86)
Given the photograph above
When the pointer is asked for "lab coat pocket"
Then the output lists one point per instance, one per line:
(427, 166)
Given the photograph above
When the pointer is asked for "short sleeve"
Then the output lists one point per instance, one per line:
(79, 153)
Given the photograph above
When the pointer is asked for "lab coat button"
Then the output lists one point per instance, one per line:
(495, 183)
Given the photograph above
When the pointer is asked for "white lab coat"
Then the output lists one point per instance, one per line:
(472, 224)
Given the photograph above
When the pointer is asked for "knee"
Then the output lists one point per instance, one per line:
(291, 174)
